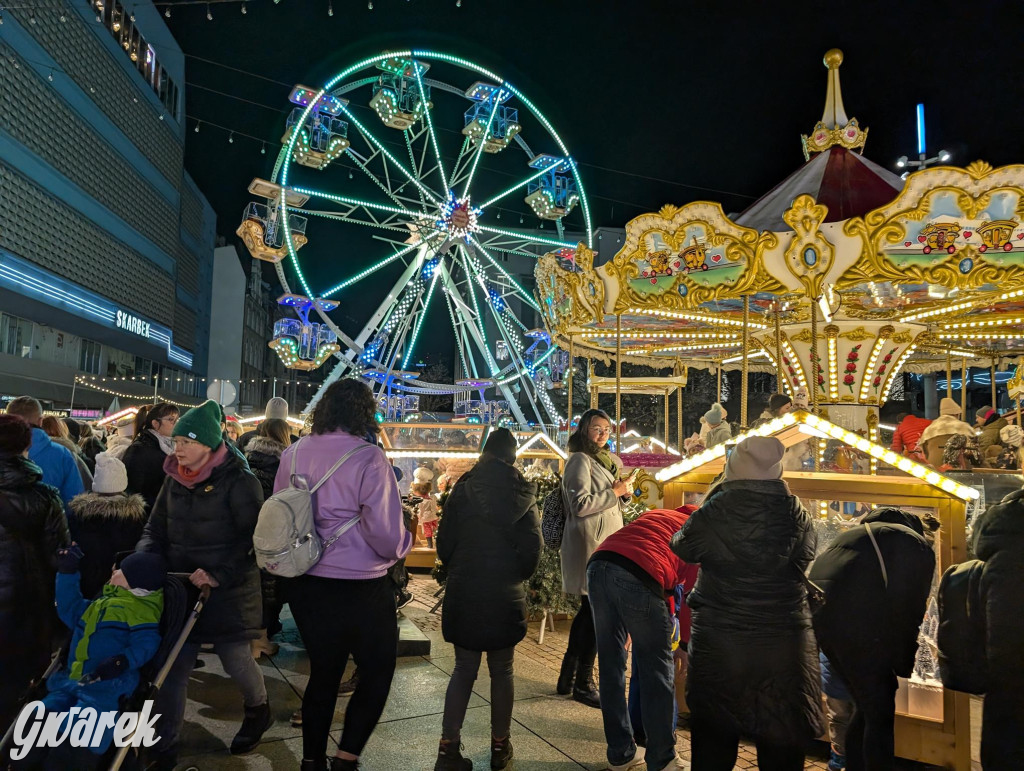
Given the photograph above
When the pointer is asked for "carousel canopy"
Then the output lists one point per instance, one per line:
(841, 278)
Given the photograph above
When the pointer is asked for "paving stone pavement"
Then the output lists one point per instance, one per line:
(549, 732)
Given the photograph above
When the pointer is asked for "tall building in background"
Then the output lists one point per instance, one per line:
(106, 244)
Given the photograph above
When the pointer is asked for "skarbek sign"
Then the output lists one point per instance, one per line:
(132, 323)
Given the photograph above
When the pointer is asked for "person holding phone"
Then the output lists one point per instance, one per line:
(593, 494)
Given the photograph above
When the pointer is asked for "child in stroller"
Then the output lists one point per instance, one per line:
(112, 637)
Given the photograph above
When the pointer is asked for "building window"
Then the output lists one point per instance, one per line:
(16, 335)
(89, 357)
(121, 25)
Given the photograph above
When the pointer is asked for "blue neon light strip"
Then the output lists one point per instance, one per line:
(920, 129)
(25, 278)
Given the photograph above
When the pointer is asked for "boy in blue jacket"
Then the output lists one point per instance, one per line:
(113, 635)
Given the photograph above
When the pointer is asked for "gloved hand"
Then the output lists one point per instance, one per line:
(1011, 436)
(68, 559)
(108, 669)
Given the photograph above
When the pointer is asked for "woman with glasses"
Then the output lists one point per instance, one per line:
(202, 523)
(145, 456)
(592, 491)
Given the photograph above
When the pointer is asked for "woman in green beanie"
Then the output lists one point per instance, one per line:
(202, 523)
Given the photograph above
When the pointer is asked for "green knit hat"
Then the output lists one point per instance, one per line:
(201, 424)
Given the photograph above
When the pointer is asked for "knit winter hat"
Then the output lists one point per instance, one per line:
(777, 401)
(201, 424)
(984, 413)
(715, 415)
(501, 444)
(949, 407)
(422, 474)
(277, 408)
(756, 457)
(111, 475)
(144, 570)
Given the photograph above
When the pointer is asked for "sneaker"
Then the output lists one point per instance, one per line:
(404, 598)
(296, 719)
(449, 757)
(257, 721)
(262, 646)
(349, 686)
(501, 753)
(636, 760)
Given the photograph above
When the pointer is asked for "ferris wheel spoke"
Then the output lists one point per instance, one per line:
(356, 203)
(369, 137)
(369, 271)
(433, 134)
(458, 170)
(527, 238)
(481, 144)
(419, 321)
(526, 296)
(523, 183)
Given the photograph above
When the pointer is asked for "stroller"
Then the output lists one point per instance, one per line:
(183, 603)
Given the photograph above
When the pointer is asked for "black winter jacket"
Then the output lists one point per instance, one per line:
(210, 526)
(489, 539)
(105, 526)
(32, 528)
(144, 461)
(264, 457)
(753, 658)
(864, 625)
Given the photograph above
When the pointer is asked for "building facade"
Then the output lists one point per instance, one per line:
(106, 244)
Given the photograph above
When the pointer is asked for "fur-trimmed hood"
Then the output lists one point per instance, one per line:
(265, 445)
(96, 506)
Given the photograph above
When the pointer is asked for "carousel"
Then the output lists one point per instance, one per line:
(838, 281)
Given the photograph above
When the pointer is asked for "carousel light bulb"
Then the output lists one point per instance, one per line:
(944, 155)
(209, 16)
(167, 12)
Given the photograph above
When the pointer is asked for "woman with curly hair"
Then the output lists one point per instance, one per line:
(350, 582)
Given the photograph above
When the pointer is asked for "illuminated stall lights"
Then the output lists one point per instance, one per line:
(130, 412)
(709, 346)
(792, 364)
(542, 439)
(297, 422)
(831, 430)
(634, 433)
(137, 397)
(426, 454)
(754, 355)
(695, 317)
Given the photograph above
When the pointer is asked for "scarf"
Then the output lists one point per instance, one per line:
(604, 457)
(166, 442)
(192, 477)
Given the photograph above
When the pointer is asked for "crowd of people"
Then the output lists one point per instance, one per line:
(778, 642)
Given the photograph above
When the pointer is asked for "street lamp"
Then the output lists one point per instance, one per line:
(922, 161)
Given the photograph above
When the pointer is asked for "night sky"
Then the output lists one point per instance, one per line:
(658, 102)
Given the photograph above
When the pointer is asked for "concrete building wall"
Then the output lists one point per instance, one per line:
(227, 318)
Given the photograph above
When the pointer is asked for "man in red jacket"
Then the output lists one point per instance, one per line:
(630, 578)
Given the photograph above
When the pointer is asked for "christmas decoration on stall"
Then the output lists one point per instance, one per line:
(544, 587)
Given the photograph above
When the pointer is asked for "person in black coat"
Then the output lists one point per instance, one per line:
(753, 662)
(490, 541)
(32, 528)
(998, 539)
(144, 458)
(107, 522)
(202, 523)
(868, 626)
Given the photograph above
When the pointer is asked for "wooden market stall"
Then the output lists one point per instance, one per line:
(932, 723)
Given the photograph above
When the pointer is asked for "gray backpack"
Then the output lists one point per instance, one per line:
(285, 540)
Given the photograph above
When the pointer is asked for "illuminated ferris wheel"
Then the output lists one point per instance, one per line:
(432, 150)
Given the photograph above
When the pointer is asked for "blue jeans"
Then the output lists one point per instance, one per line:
(636, 712)
(622, 607)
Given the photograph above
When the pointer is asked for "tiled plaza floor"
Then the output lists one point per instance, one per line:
(549, 732)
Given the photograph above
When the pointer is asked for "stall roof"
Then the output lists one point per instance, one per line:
(795, 427)
(653, 386)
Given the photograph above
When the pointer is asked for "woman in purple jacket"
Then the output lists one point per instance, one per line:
(345, 604)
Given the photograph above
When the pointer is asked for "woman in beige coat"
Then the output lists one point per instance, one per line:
(592, 491)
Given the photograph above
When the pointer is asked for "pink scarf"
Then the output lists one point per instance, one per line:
(192, 477)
